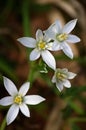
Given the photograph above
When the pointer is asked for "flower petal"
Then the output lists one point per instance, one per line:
(49, 46)
(58, 26)
(73, 39)
(34, 55)
(54, 79)
(50, 34)
(6, 101)
(67, 50)
(59, 85)
(33, 99)
(51, 31)
(10, 86)
(56, 46)
(27, 42)
(39, 35)
(69, 26)
(64, 70)
(71, 75)
(46, 38)
(48, 58)
(24, 88)
(24, 109)
(67, 84)
(12, 113)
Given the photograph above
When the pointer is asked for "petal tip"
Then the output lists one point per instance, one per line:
(19, 39)
(71, 57)
(76, 19)
(4, 77)
(28, 115)
(74, 75)
(8, 121)
(43, 99)
(59, 89)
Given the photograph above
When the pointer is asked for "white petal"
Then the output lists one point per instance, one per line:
(51, 31)
(33, 99)
(65, 70)
(48, 58)
(71, 75)
(27, 42)
(67, 50)
(12, 113)
(39, 35)
(6, 101)
(34, 55)
(46, 38)
(49, 46)
(24, 109)
(59, 85)
(67, 84)
(73, 39)
(58, 26)
(56, 46)
(10, 86)
(54, 79)
(50, 34)
(24, 88)
(69, 26)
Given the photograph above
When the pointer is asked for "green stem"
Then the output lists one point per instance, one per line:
(33, 72)
(27, 32)
(25, 17)
(3, 125)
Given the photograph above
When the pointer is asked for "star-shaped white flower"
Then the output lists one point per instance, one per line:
(61, 36)
(61, 77)
(41, 46)
(18, 100)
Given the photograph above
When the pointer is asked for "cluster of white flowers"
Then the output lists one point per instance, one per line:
(54, 38)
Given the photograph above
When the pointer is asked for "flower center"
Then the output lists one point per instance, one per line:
(61, 37)
(61, 76)
(18, 99)
(41, 45)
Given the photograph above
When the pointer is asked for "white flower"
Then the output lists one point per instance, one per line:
(61, 77)
(41, 46)
(18, 100)
(62, 36)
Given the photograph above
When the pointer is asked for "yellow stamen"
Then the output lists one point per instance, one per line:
(41, 45)
(18, 99)
(61, 76)
(62, 37)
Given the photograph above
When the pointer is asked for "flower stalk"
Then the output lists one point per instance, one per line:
(3, 125)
